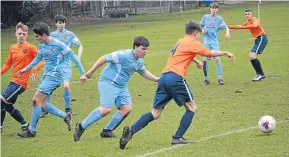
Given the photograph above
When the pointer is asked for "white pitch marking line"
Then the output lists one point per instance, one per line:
(202, 139)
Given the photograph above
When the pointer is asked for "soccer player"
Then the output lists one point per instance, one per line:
(172, 84)
(55, 54)
(20, 55)
(211, 24)
(254, 25)
(68, 38)
(112, 86)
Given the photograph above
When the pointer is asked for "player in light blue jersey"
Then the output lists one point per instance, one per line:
(68, 38)
(211, 24)
(55, 54)
(112, 86)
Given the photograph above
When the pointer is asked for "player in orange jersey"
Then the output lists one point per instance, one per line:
(254, 25)
(20, 55)
(172, 84)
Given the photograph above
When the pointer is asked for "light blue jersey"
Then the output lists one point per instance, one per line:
(55, 53)
(67, 37)
(121, 66)
(212, 25)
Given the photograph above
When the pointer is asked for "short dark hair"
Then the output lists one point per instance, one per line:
(41, 28)
(191, 27)
(59, 18)
(248, 10)
(214, 5)
(141, 41)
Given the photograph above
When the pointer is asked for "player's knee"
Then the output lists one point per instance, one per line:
(218, 60)
(105, 110)
(9, 108)
(191, 106)
(156, 113)
(252, 57)
(125, 109)
(66, 87)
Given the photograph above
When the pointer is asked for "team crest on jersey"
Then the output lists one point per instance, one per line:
(46, 55)
(25, 51)
(52, 49)
(65, 36)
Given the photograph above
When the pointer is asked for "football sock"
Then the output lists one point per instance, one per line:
(205, 70)
(257, 66)
(94, 116)
(142, 122)
(184, 123)
(115, 121)
(34, 118)
(55, 111)
(219, 70)
(3, 112)
(15, 113)
(66, 95)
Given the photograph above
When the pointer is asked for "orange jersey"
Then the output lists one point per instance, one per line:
(20, 56)
(253, 25)
(182, 55)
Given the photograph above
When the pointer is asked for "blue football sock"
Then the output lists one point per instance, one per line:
(34, 118)
(67, 96)
(219, 70)
(55, 111)
(185, 123)
(116, 119)
(94, 116)
(142, 122)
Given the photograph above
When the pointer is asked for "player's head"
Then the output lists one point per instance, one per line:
(194, 29)
(248, 14)
(214, 8)
(21, 33)
(41, 31)
(140, 46)
(60, 22)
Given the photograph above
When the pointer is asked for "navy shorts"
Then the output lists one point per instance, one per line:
(12, 91)
(260, 44)
(172, 86)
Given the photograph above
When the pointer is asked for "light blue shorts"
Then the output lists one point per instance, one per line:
(48, 84)
(110, 95)
(211, 47)
(67, 72)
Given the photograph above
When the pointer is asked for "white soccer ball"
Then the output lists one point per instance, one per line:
(267, 124)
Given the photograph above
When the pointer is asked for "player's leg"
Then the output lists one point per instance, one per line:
(67, 96)
(206, 66)
(219, 70)
(107, 94)
(162, 97)
(43, 112)
(183, 97)
(38, 101)
(205, 70)
(124, 105)
(8, 99)
(260, 44)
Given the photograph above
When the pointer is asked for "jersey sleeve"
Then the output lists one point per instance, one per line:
(202, 23)
(7, 64)
(35, 61)
(75, 40)
(116, 57)
(222, 24)
(141, 68)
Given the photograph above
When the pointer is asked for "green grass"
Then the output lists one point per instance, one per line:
(220, 109)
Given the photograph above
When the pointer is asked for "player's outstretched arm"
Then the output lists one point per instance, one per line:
(96, 65)
(216, 53)
(35, 61)
(149, 76)
(77, 62)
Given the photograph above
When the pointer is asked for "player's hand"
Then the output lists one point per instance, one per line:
(35, 76)
(83, 78)
(231, 56)
(88, 75)
(199, 65)
(227, 36)
(21, 72)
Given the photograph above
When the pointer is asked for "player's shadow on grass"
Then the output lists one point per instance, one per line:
(264, 134)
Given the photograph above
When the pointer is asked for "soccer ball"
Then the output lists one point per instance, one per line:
(266, 124)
